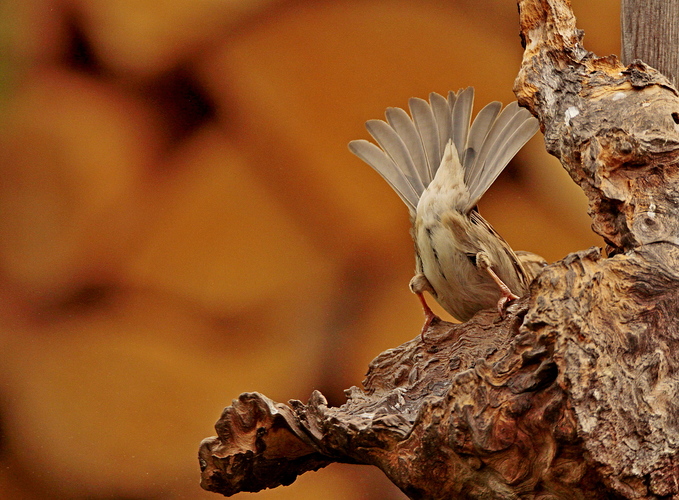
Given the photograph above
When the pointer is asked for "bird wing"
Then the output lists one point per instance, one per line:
(521, 273)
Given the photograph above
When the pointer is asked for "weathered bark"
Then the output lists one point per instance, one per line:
(573, 395)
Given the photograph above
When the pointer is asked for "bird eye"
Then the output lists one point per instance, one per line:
(675, 117)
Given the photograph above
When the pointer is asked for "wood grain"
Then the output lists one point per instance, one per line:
(650, 32)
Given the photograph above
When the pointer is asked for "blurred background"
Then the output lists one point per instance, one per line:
(181, 220)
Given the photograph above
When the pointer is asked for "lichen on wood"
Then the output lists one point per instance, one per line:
(574, 393)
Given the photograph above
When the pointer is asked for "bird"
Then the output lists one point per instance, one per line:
(441, 164)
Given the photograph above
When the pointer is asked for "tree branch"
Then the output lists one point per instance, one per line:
(573, 395)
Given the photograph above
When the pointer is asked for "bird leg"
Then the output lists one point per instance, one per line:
(418, 285)
(429, 315)
(506, 294)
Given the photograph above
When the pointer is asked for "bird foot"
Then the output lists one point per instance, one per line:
(506, 294)
(503, 302)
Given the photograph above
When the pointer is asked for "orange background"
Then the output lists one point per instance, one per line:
(181, 220)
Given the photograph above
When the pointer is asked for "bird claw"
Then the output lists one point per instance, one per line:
(505, 299)
(506, 294)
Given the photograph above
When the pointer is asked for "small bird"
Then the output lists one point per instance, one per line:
(441, 164)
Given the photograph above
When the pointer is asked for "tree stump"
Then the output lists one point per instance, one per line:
(574, 394)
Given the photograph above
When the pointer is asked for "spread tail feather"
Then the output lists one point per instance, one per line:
(412, 148)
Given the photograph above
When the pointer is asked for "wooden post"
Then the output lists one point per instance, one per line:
(650, 32)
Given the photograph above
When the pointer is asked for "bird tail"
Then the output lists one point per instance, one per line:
(411, 149)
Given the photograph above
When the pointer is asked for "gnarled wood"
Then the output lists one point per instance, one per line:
(614, 128)
(574, 394)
